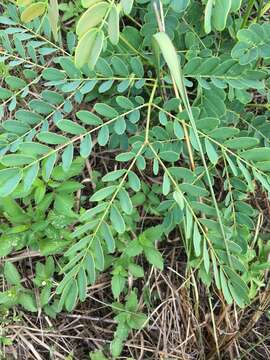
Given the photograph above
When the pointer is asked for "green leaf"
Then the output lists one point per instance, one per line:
(154, 233)
(27, 301)
(236, 5)
(103, 193)
(34, 148)
(154, 257)
(11, 273)
(131, 302)
(99, 256)
(52, 138)
(117, 220)
(53, 16)
(178, 197)
(238, 282)
(119, 66)
(33, 11)
(113, 25)
(258, 154)
(263, 165)
(107, 235)
(225, 288)
(52, 74)
(169, 156)
(211, 152)
(125, 201)
(262, 179)
(52, 97)
(125, 156)
(223, 133)
(124, 103)
(179, 5)
(88, 3)
(88, 85)
(88, 118)
(71, 86)
(5, 94)
(118, 284)
(105, 86)
(136, 270)
(103, 135)
(236, 294)
(134, 181)
(105, 110)
(178, 130)
(91, 17)
(113, 175)
(26, 116)
(197, 240)
(116, 346)
(69, 67)
(166, 185)
(67, 157)
(6, 245)
(138, 321)
(215, 270)
(170, 55)
(241, 143)
(90, 268)
(41, 107)
(194, 190)
(206, 259)
(89, 214)
(127, 6)
(48, 165)
(208, 16)
(246, 174)
(133, 248)
(86, 146)
(70, 127)
(16, 160)
(220, 13)
(89, 48)
(82, 284)
(45, 296)
(9, 179)
(96, 49)
(72, 295)
(253, 43)
(15, 127)
(30, 176)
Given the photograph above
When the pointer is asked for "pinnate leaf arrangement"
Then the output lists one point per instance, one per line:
(139, 107)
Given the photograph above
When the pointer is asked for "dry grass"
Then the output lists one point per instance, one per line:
(184, 322)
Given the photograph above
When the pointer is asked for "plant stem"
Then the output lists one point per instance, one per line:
(259, 10)
(247, 14)
(190, 153)
(149, 112)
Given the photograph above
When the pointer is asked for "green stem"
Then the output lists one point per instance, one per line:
(260, 8)
(149, 112)
(133, 48)
(247, 13)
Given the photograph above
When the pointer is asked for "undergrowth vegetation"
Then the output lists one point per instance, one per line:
(124, 125)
